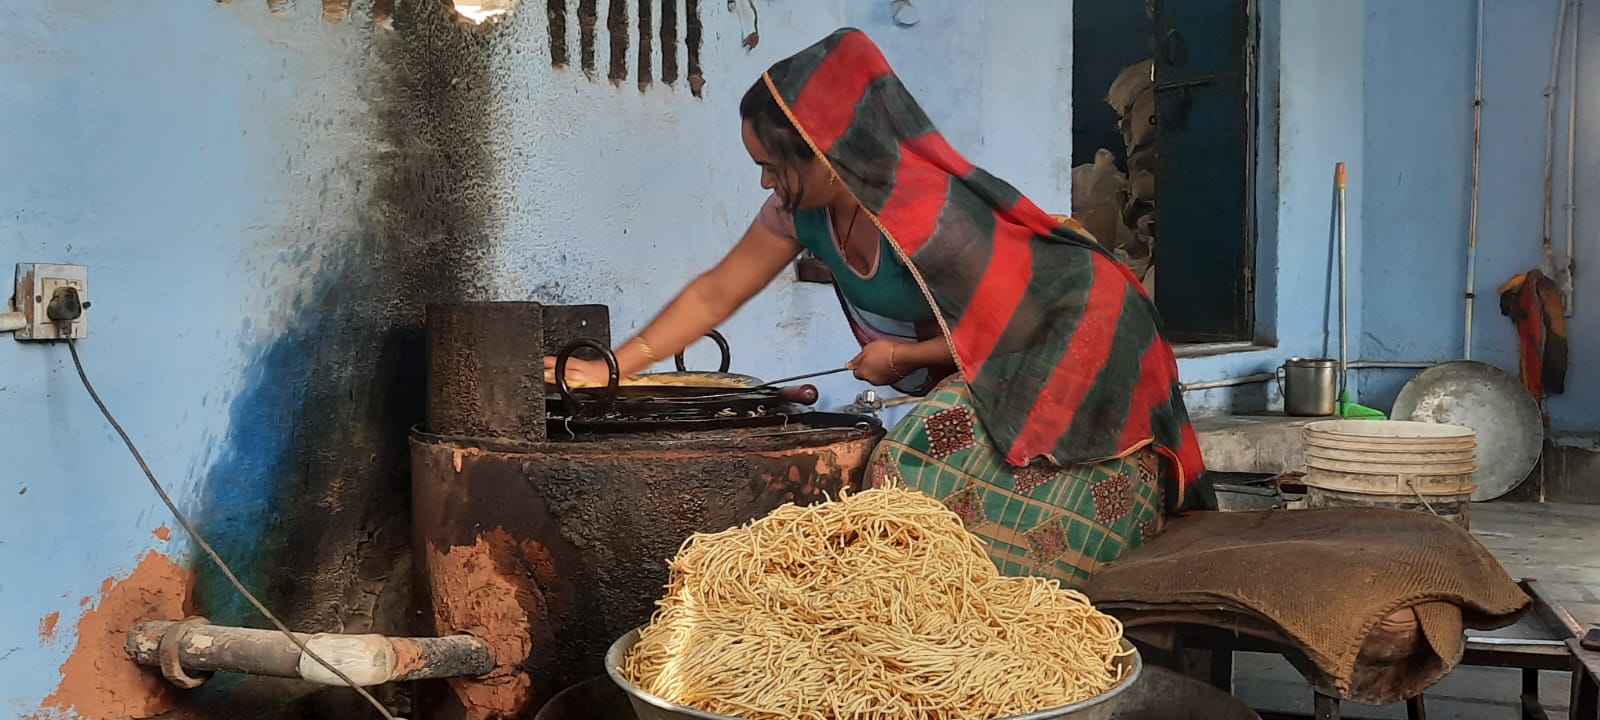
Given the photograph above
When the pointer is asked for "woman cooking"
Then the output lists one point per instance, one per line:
(1052, 421)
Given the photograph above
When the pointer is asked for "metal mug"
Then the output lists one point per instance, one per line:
(1310, 386)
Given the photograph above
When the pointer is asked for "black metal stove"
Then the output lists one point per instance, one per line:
(567, 503)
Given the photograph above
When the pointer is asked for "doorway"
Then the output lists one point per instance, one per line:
(1164, 153)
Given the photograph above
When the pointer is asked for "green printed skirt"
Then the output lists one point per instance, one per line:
(1042, 519)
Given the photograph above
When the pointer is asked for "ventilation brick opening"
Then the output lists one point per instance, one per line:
(383, 14)
(617, 29)
(335, 10)
(638, 35)
(692, 38)
(588, 15)
(646, 44)
(556, 14)
(479, 12)
(669, 41)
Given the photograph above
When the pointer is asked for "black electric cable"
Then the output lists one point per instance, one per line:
(188, 527)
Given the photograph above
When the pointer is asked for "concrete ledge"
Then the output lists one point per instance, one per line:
(1269, 444)
(1257, 444)
(1569, 471)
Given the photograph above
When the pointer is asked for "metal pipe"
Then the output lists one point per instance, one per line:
(1472, 214)
(1503, 641)
(1228, 382)
(1344, 292)
(1546, 261)
(367, 659)
(1258, 378)
(1568, 288)
(868, 402)
(1393, 364)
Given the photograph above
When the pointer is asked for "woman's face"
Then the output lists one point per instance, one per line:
(807, 177)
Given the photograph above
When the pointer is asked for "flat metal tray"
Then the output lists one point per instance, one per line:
(1492, 402)
(1537, 641)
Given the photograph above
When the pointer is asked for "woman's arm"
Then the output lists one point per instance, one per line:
(702, 305)
(933, 353)
(885, 362)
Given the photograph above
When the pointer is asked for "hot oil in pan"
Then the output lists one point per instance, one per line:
(670, 380)
(654, 418)
(733, 432)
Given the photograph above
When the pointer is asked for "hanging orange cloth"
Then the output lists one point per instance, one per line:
(1533, 302)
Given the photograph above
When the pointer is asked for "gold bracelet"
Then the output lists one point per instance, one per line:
(898, 375)
(644, 346)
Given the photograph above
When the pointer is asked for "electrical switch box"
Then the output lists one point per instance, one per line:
(40, 284)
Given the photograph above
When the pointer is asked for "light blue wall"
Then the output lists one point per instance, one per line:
(1309, 119)
(217, 170)
(1016, 125)
(1387, 87)
(1419, 139)
(172, 148)
(214, 167)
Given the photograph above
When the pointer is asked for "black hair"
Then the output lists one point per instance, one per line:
(777, 134)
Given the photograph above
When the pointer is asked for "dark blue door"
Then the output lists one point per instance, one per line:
(1204, 254)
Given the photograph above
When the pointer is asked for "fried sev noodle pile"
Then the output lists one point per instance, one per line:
(880, 605)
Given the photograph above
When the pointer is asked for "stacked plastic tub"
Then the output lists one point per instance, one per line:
(1408, 465)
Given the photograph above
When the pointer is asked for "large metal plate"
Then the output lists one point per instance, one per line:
(1491, 401)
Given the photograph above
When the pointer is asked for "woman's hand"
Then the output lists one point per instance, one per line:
(580, 373)
(880, 363)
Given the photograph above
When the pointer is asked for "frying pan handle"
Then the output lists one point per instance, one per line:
(722, 345)
(802, 394)
(561, 371)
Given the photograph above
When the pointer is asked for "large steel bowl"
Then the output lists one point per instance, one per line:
(650, 707)
(1158, 695)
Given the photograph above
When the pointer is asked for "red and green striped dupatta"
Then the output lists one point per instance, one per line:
(1059, 343)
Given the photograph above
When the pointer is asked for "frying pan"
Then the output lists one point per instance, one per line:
(667, 389)
(1494, 404)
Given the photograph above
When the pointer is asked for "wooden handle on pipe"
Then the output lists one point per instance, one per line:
(802, 394)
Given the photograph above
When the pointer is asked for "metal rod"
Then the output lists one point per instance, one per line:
(1546, 261)
(1568, 288)
(368, 659)
(1414, 491)
(1228, 382)
(1472, 214)
(1259, 378)
(1533, 642)
(806, 376)
(1344, 319)
(1392, 364)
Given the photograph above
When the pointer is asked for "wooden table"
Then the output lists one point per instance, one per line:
(1545, 639)
(1585, 683)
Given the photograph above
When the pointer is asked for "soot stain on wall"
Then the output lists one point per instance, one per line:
(308, 498)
